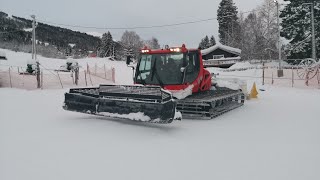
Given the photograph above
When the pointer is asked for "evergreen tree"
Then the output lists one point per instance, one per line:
(229, 28)
(205, 43)
(296, 27)
(212, 41)
(107, 45)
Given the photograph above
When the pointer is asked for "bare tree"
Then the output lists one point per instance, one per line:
(268, 18)
(259, 32)
(132, 42)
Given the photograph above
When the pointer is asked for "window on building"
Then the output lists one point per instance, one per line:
(218, 56)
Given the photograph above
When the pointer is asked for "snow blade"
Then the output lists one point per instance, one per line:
(139, 103)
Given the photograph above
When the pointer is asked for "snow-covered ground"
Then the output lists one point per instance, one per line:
(48, 65)
(273, 137)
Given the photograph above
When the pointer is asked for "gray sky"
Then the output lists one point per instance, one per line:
(128, 13)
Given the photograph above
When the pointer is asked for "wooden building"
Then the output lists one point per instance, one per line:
(220, 56)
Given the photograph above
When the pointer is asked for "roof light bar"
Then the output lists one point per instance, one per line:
(175, 49)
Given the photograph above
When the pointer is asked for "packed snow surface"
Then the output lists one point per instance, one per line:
(272, 137)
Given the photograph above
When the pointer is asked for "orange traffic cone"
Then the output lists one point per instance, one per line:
(254, 92)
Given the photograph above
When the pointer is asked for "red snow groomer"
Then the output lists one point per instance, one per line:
(168, 82)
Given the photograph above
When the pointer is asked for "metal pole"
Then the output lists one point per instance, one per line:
(280, 71)
(34, 54)
(314, 55)
(279, 42)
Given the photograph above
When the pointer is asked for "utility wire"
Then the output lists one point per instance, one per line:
(136, 27)
(142, 27)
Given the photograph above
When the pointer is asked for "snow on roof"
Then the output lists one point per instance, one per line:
(71, 45)
(28, 29)
(223, 47)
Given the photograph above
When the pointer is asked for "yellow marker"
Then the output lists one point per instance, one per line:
(254, 92)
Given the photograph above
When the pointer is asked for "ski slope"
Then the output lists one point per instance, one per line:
(273, 137)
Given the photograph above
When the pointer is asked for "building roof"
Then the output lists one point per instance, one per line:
(223, 47)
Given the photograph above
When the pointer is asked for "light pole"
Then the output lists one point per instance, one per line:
(280, 71)
(34, 49)
(314, 53)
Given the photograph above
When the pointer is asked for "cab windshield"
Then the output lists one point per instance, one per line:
(165, 69)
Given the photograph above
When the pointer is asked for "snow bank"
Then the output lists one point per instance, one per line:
(242, 65)
(231, 84)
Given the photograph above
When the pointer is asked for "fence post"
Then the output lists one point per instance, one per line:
(85, 77)
(88, 69)
(272, 81)
(307, 77)
(105, 72)
(292, 77)
(10, 77)
(22, 78)
(263, 73)
(60, 80)
(95, 69)
(72, 77)
(113, 75)
(76, 74)
(41, 79)
(90, 79)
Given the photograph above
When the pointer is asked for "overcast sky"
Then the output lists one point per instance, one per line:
(128, 13)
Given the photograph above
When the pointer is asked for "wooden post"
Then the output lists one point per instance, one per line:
(72, 77)
(95, 69)
(292, 76)
(85, 77)
(307, 78)
(76, 73)
(90, 79)
(10, 77)
(41, 79)
(263, 73)
(22, 78)
(88, 69)
(113, 75)
(105, 72)
(60, 80)
(318, 72)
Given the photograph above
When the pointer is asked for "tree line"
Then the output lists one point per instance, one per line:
(256, 33)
